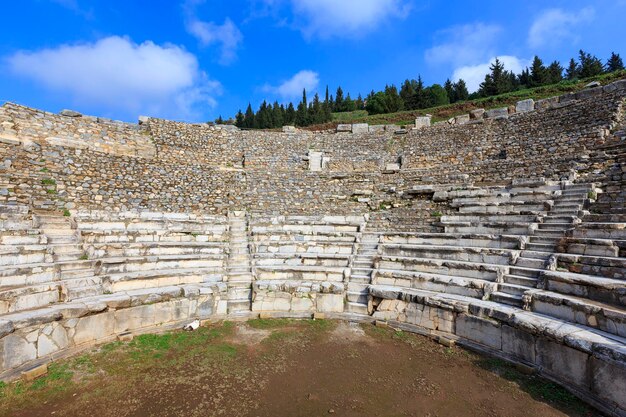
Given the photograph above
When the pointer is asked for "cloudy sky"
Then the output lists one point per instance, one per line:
(196, 59)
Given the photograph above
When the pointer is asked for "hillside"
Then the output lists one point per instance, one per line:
(450, 110)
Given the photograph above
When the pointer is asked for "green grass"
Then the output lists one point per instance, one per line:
(48, 181)
(66, 213)
(265, 324)
(447, 111)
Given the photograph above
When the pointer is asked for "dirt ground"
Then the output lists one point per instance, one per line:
(274, 368)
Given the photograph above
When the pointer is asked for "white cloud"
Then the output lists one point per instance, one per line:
(473, 75)
(555, 26)
(115, 75)
(227, 35)
(292, 88)
(464, 44)
(344, 18)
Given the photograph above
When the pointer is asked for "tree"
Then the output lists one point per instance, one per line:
(302, 114)
(554, 73)
(358, 103)
(407, 93)
(460, 90)
(590, 65)
(248, 121)
(338, 100)
(614, 63)
(376, 103)
(290, 115)
(436, 95)
(278, 115)
(449, 87)
(573, 70)
(393, 99)
(523, 78)
(538, 73)
(239, 119)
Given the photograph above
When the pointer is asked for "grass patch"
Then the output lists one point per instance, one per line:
(66, 213)
(265, 324)
(48, 181)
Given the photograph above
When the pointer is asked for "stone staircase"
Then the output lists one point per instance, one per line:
(238, 266)
(361, 274)
(542, 244)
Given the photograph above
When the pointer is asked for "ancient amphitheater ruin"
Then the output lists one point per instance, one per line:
(504, 231)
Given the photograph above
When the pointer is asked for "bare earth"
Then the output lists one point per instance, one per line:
(286, 368)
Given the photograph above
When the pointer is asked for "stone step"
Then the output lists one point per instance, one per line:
(549, 233)
(238, 306)
(360, 279)
(549, 219)
(524, 272)
(77, 273)
(535, 254)
(357, 297)
(541, 247)
(521, 281)
(512, 289)
(555, 226)
(550, 240)
(356, 308)
(509, 299)
(530, 263)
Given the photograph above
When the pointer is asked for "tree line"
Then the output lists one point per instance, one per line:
(414, 95)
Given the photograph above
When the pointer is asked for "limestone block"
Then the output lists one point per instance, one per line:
(477, 114)
(300, 304)
(6, 327)
(289, 129)
(518, 343)
(567, 364)
(205, 309)
(525, 106)
(486, 332)
(377, 128)
(16, 350)
(609, 380)
(70, 113)
(462, 119)
(422, 121)
(330, 303)
(138, 317)
(546, 103)
(91, 328)
(344, 128)
(34, 373)
(360, 128)
(500, 113)
(143, 119)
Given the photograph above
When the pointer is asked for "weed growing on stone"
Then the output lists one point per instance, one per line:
(66, 213)
(48, 181)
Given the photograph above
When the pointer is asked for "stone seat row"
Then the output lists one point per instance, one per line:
(587, 359)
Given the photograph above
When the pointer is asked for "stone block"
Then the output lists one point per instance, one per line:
(289, 129)
(422, 121)
(344, 128)
(500, 113)
(92, 328)
(485, 332)
(477, 114)
(143, 119)
(525, 106)
(137, 317)
(360, 128)
(35, 372)
(566, 364)
(518, 344)
(16, 350)
(70, 113)
(546, 103)
(377, 128)
(330, 303)
(609, 380)
(462, 119)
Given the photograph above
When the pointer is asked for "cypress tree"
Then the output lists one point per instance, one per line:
(338, 100)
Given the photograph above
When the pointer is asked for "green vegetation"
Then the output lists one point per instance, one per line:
(66, 213)
(417, 99)
(48, 181)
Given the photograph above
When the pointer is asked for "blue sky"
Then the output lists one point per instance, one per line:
(196, 59)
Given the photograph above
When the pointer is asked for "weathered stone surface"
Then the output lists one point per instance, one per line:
(344, 128)
(360, 128)
(289, 129)
(525, 106)
(70, 113)
(422, 121)
(477, 114)
(462, 119)
(497, 113)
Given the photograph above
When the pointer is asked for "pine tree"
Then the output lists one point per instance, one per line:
(290, 115)
(573, 70)
(614, 63)
(338, 100)
(239, 119)
(555, 73)
(359, 103)
(278, 115)
(449, 87)
(219, 120)
(302, 114)
(248, 121)
(523, 79)
(460, 90)
(407, 93)
(590, 65)
(538, 73)
(419, 102)
(394, 101)
(348, 104)
(317, 112)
